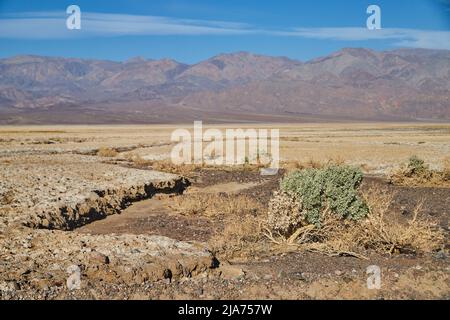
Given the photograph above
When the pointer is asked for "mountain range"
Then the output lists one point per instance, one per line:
(350, 84)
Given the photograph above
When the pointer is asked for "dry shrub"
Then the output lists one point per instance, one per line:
(136, 159)
(107, 152)
(284, 215)
(162, 165)
(446, 169)
(168, 166)
(241, 235)
(290, 166)
(417, 173)
(185, 169)
(212, 205)
(311, 163)
(190, 204)
(378, 231)
(239, 215)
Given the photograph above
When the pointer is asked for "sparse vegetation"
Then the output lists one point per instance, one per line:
(240, 216)
(185, 169)
(417, 173)
(446, 169)
(212, 205)
(416, 166)
(162, 165)
(377, 231)
(107, 152)
(418, 233)
(240, 236)
(349, 223)
(258, 233)
(311, 163)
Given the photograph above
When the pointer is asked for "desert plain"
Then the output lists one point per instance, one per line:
(107, 202)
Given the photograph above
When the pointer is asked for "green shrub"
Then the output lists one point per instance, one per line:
(334, 187)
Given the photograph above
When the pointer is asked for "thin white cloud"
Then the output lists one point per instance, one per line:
(430, 39)
(52, 25)
(121, 24)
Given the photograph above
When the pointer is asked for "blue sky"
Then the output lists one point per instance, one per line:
(190, 31)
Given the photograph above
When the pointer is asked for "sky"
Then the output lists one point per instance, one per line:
(191, 31)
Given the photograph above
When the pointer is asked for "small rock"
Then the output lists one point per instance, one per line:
(45, 223)
(9, 286)
(96, 257)
(440, 255)
(199, 291)
(230, 272)
(404, 210)
(167, 274)
(267, 277)
(299, 276)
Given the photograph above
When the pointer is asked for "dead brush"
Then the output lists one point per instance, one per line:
(186, 170)
(311, 163)
(239, 215)
(167, 166)
(332, 238)
(446, 169)
(299, 165)
(241, 235)
(418, 234)
(162, 165)
(417, 173)
(213, 205)
(107, 152)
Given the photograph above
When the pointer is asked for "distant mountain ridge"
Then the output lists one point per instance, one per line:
(352, 83)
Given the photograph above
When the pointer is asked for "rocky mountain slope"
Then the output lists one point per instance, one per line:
(348, 84)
